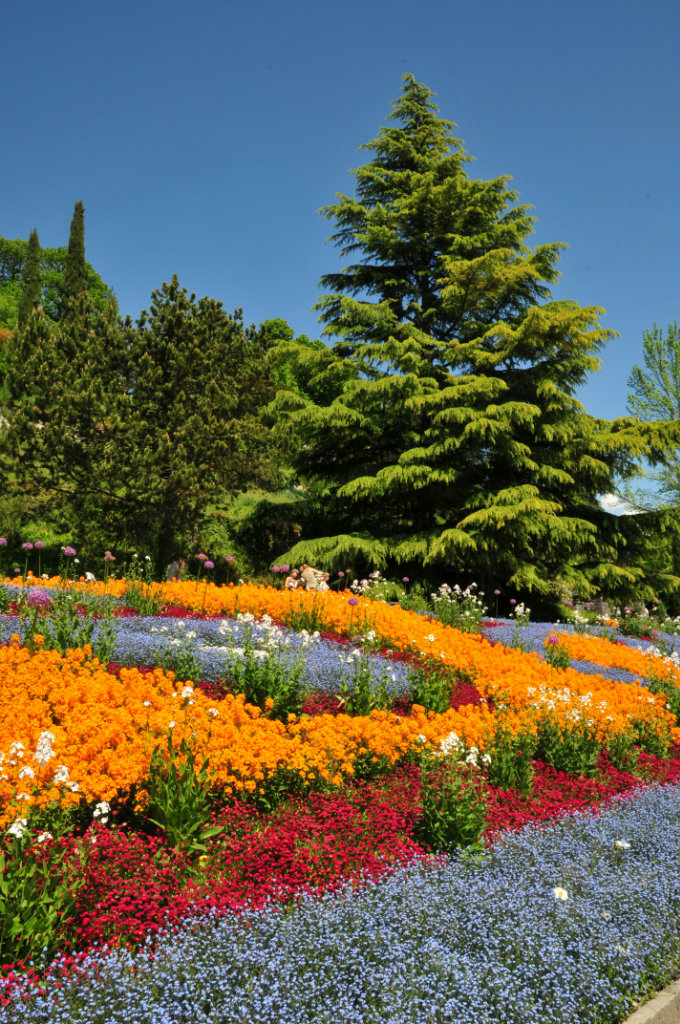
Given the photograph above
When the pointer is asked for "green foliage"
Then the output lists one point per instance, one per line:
(455, 437)
(31, 289)
(267, 679)
(511, 758)
(179, 800)
(430, 685)
(13, 255)
(361, 694)
(453, 810)
(623, 751)
(39, 883)
(572, 748)
(654, 395)
(75, 272)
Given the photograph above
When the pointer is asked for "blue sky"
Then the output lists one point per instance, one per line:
(203, 138)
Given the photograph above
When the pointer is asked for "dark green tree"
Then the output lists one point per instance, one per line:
(31, 290)
(193, 433)
(456, 441)
(75, 271)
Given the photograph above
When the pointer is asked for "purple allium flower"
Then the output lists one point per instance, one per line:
(3, 542)
(39, 545)
(38, 598)
(569, 604)
(201, 557)
(552, 640)
(341, 574)
(284, 568)
(496, 592)
(27, 546)
(208, 565)
(17, 570)
(275, 568)
(353, 601)
(69, 551)
(405, 579)
(589, 605)
(108, 557)
(229, 558)
(513, 600)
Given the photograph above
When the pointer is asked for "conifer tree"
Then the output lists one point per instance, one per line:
(457, 442)
(75, 271)
(31, 289)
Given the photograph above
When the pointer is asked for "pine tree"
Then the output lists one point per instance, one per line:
(31, 289)
(457, 442)
(75, 271)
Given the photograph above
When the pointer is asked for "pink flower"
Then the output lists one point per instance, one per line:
(229, 558)
(3, 542)
(27, 546)
(38, 598)
(208, 565)
(39, 545)
(201, 557)
(353, 601)
(69, 551)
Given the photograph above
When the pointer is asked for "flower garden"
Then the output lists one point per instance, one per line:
(238, 803)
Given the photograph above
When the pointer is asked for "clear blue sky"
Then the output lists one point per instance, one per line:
(203, 138)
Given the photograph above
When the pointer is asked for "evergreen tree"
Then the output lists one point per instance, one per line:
(654, 394)
(75, 271)
(31, 290)
(456, 441)
(198, 383)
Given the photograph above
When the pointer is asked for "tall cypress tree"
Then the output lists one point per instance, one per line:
(31, 288)
(75, 271)
(458, 441)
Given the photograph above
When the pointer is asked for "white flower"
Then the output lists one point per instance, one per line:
(90, 577)
(101, 811)
(560, 894)
(26, 773)
(213, 712)
(621, 844)
(42, 837)
(23, 796)
(17, 828)
(146, 703)
(16, 748)
(43, 750)
(187, 692)
(147, 558)
(61, 775)
(172, 725)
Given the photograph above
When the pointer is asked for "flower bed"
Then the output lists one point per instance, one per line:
(305, 801)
